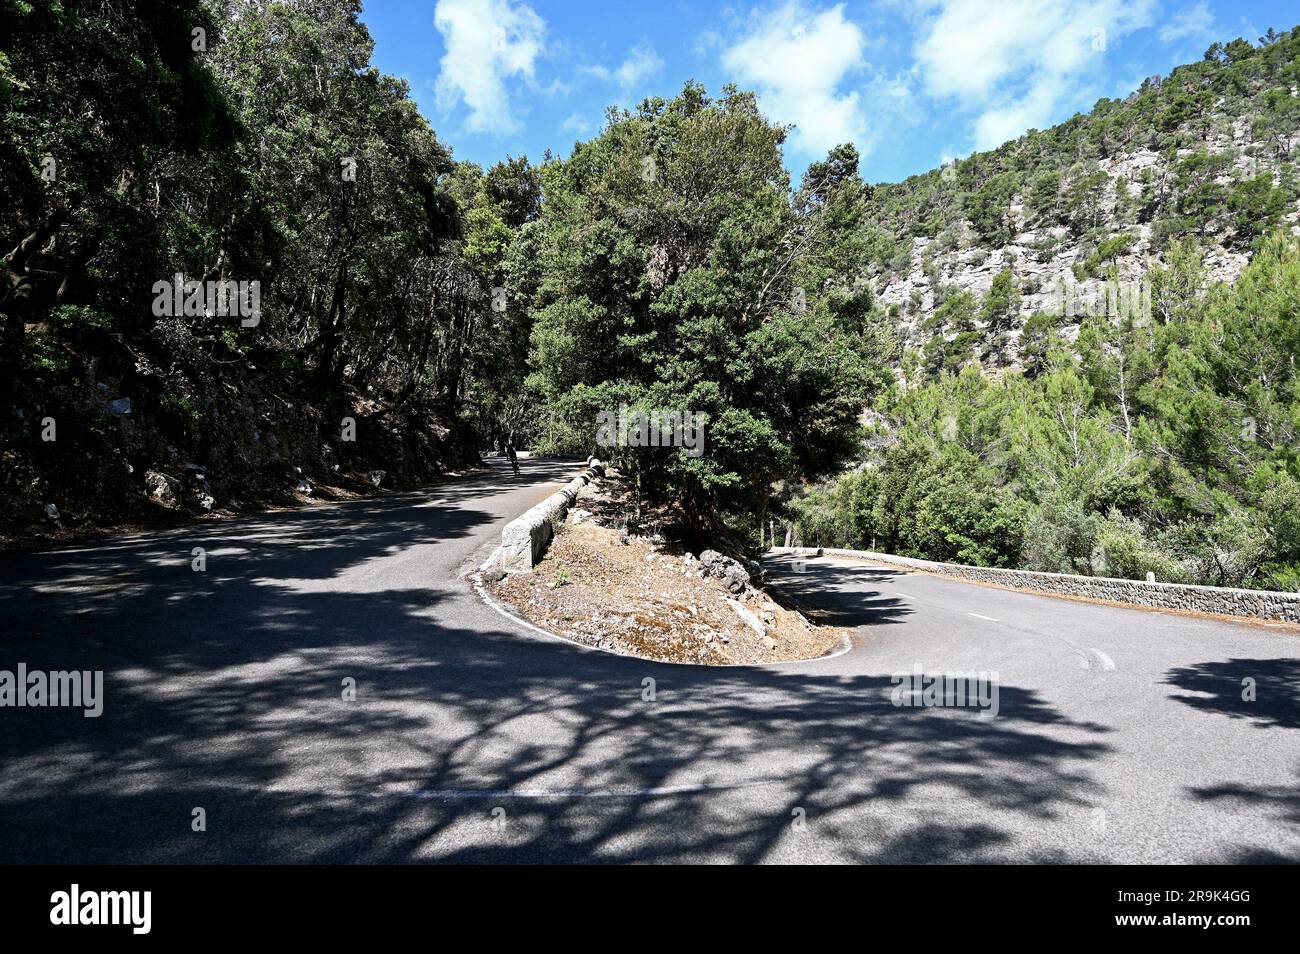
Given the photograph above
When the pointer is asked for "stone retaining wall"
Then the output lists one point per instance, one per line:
(525, 538)
(1258, 604)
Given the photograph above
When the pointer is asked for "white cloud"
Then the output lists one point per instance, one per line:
(640, 65)
(706, 42)
(1018, 61)
(1034, 110)
(797, 59)
(1196, 20)
(642, 62)
(487, 42)
(578, 124)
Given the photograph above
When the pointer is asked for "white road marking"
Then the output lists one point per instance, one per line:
(904, 595)
(989, 618)
(1107, 663)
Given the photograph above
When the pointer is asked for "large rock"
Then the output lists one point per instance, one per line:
(161, 488)
(731, 572)
(748, 618)
(1043, 254)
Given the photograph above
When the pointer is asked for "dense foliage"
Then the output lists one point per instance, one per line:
(247, 142)
(677, 273)
(669, 265)
(1167, 446)
(1154, 435)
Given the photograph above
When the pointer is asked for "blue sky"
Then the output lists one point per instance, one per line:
(910, 82)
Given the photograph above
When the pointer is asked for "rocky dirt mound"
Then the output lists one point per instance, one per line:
(630, 594)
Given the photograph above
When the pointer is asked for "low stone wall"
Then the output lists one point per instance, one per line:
(525, 538)
(1258, 604)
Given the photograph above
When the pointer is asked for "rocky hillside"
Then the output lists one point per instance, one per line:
(1076, 219)
(1093, 337)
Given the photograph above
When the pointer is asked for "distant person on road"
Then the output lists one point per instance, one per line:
(512, 457)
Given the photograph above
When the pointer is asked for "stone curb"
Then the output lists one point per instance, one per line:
(524, 539)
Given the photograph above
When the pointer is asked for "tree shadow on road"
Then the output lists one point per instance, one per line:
(225, 692)
(833, 595)
(245, 719)
(152, 577)
(1225, 687)
(1281, 803)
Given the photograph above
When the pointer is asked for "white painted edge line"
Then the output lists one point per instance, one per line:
(989, 618)
(904, 595)
(481, 590)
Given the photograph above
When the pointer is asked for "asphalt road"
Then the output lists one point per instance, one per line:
(1120, 735)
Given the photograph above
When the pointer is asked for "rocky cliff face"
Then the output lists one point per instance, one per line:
(1084, 237)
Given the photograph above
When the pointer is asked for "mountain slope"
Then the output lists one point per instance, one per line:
(1206, 154)
(1095, 342)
